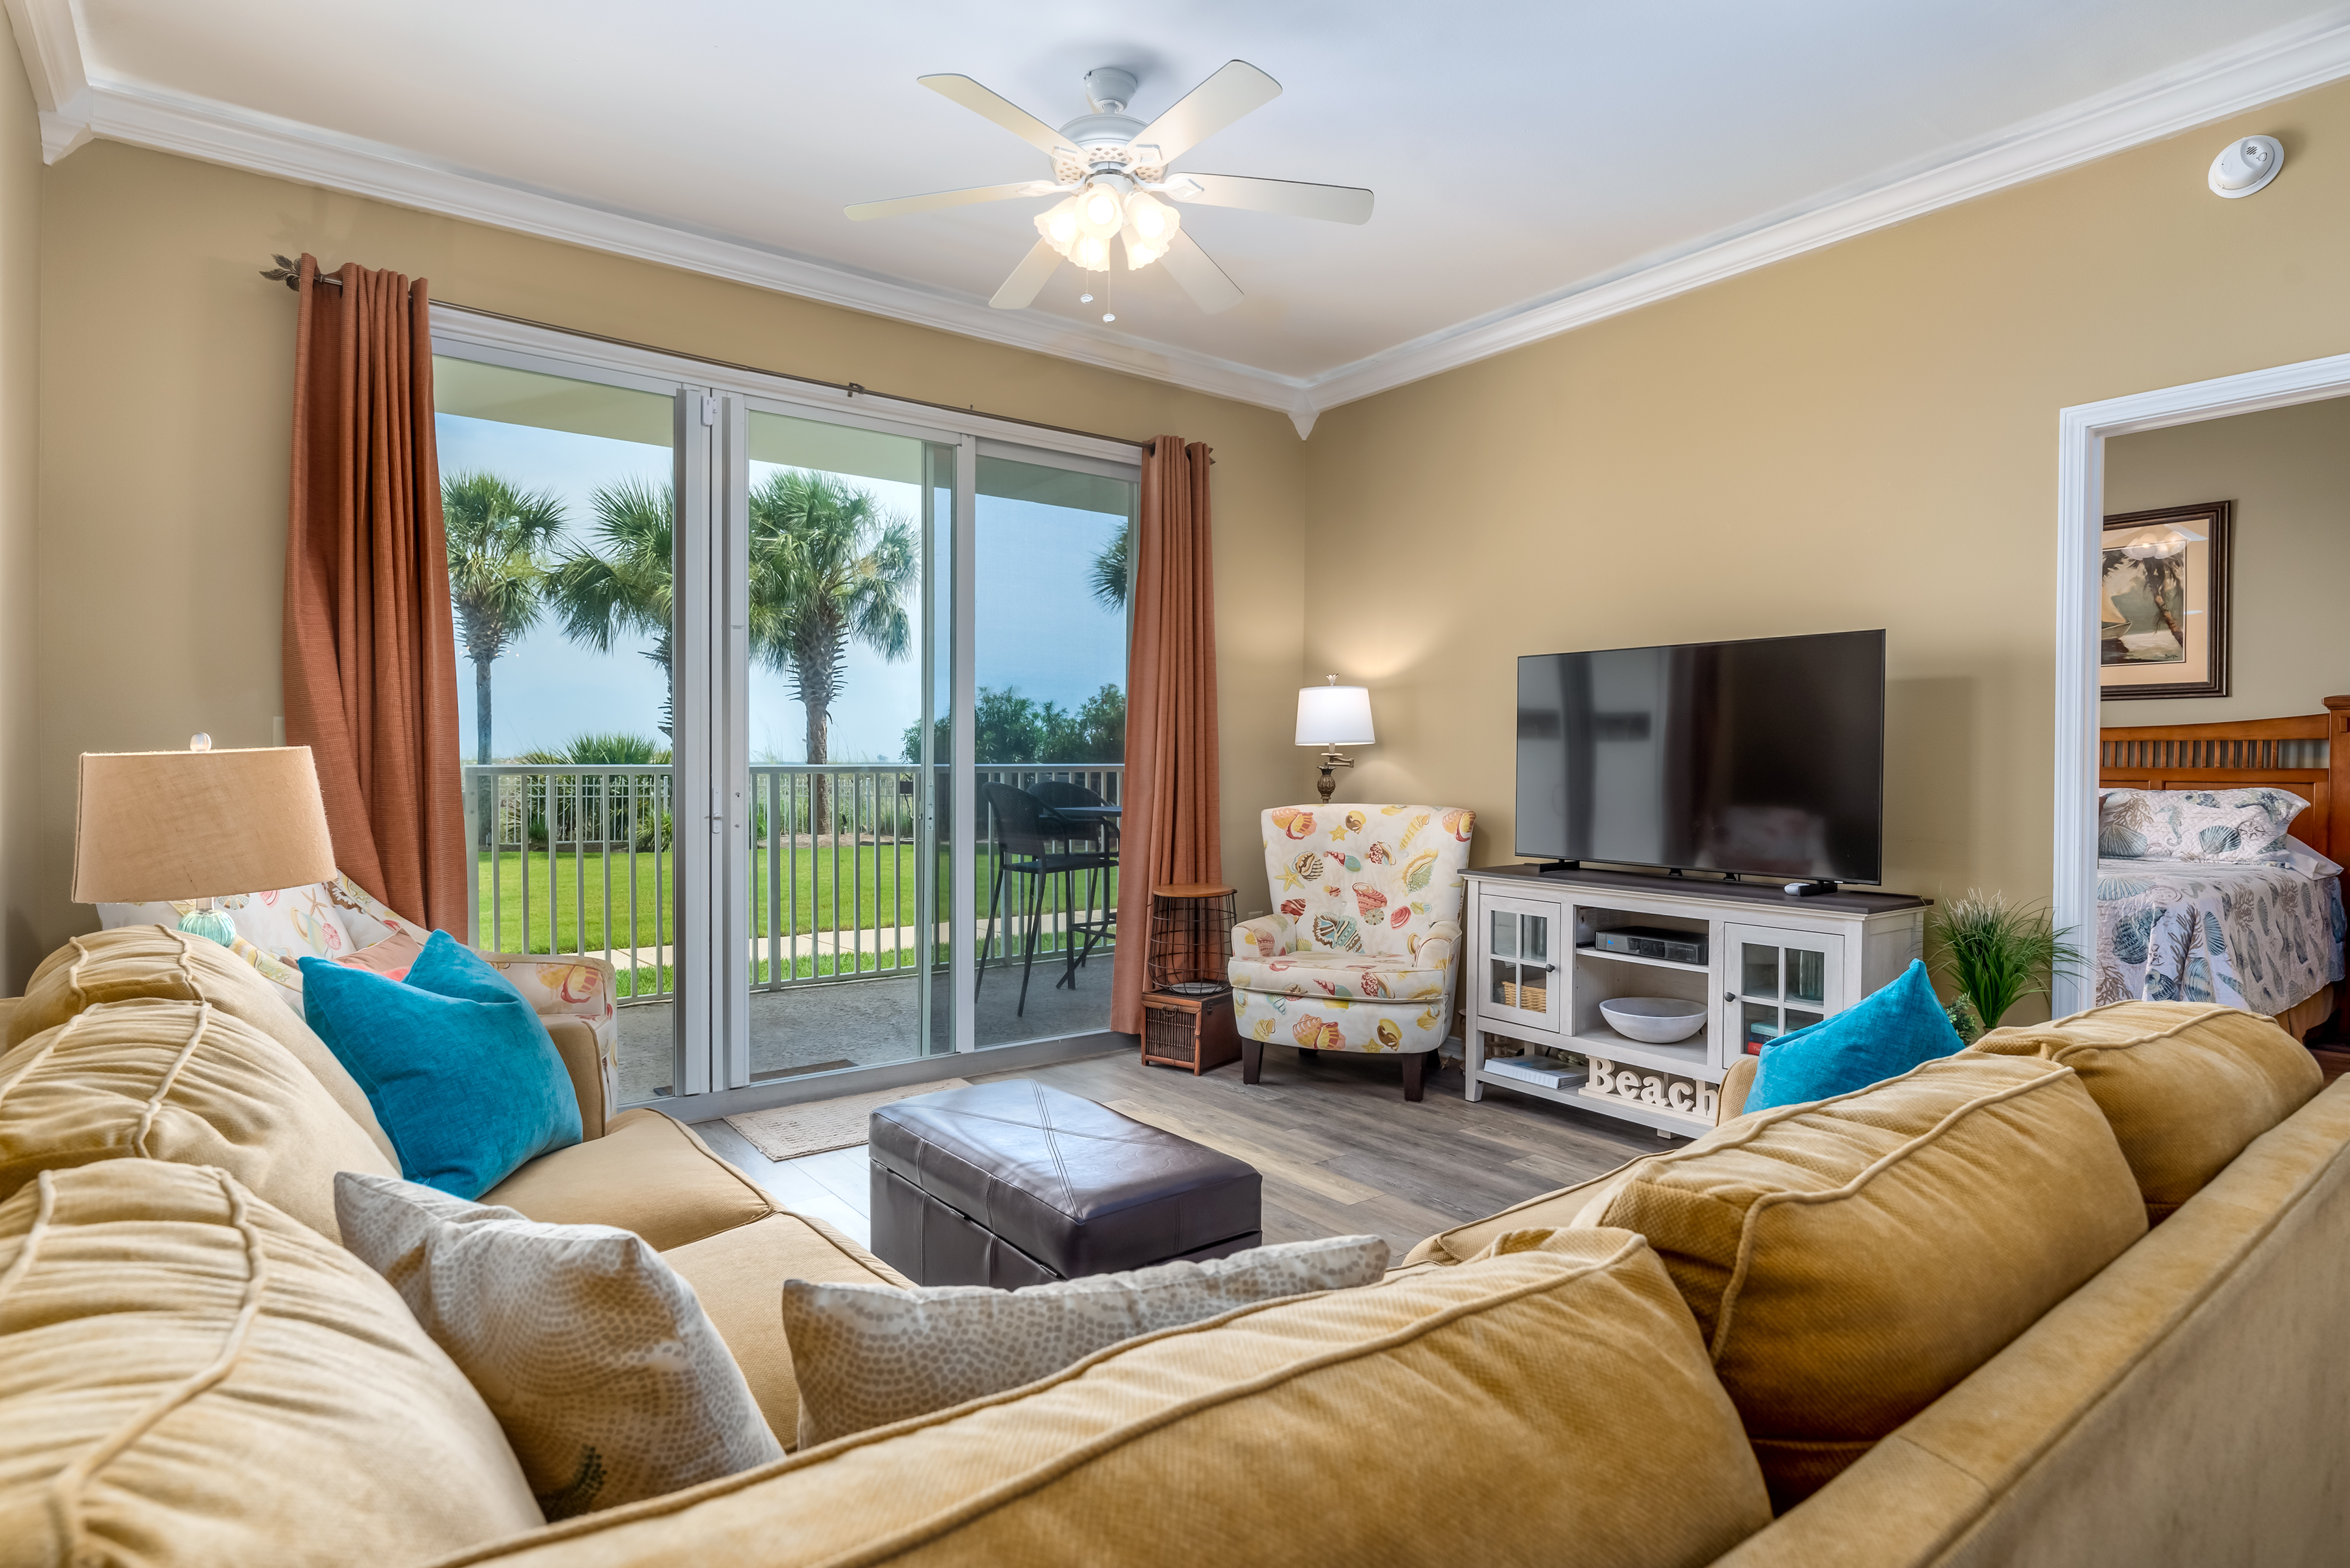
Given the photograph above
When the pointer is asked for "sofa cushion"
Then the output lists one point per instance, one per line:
(648, 1174)
(2185, 1085)
(179, 1081)
(149, 960)
(872, 1355)
(1349, 975)
(461, 1071)
(1548, 1408)
(189, 1375)
(1890, 1031)
(595, 1356)
(1849, 1260)
(738, 1274)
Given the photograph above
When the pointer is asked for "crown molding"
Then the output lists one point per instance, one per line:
(216, 134)
(2272, 65)
(2261, 71)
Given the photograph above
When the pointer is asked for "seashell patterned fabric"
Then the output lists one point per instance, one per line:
(343, 921)
(1362, 950)
(2227, 825)
(2260, 938)
(610, 1380)
(866, 1355)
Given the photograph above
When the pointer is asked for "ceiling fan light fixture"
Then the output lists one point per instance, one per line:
(1100, 213)
(1155, 221)
(1139, 252)
(1058, 225)
(1091, 252)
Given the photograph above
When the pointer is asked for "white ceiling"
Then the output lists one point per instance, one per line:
(1535, 164)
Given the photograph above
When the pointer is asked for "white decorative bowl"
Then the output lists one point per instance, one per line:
(1654, 1020)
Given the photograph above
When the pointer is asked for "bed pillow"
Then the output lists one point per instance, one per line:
(2221, 826)
(1891, 1030)
(460, 1072)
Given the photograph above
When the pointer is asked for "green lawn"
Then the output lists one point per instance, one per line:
(873, 888)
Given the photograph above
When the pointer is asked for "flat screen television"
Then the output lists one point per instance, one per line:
(1764, 757)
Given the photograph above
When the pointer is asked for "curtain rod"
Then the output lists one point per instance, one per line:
(290, 271)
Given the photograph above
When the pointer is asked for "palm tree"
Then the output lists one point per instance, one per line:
(1113, 568)
(827, 565)
(497, 539)
(619, 580)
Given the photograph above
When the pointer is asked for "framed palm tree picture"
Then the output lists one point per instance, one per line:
(2163, 614)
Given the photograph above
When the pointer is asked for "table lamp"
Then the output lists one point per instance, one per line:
(1333, 716)
(164, 826)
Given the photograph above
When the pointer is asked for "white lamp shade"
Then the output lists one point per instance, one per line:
(1334, 716)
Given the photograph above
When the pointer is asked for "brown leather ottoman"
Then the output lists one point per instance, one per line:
(1016, 1184)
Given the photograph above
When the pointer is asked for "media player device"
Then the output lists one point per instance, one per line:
(1653, 941)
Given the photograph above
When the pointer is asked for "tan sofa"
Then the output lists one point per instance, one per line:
(1516, 1393)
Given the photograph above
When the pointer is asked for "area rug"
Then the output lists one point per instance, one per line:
(788, 1132)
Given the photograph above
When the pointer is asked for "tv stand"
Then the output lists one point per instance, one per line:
(1773, 962)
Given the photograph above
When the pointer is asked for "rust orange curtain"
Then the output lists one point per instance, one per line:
(1169, 830)
(370, 664)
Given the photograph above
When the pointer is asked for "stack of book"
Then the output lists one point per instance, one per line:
(1547, 1071)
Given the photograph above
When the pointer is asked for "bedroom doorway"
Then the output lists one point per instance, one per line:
(2183, 664)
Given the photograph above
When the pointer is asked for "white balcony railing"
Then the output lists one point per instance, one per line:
(578, 858)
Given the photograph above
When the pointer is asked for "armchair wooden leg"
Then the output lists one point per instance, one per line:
(1415, 1074)
(1252, 1058)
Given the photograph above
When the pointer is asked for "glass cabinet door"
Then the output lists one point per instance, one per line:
(1521, 974)
(1779, 981)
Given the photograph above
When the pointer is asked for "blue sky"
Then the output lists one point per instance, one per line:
(1038, 628)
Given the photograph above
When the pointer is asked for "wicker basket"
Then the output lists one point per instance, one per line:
(1194, 1032)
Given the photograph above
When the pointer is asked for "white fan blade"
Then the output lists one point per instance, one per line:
(1020, 289)
(1332, 203)
(1005, 113)
(1201, 277)
(891, 209)
(1235, 89)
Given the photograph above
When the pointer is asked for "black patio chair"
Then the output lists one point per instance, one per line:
(1024, 832)
(1103, 833)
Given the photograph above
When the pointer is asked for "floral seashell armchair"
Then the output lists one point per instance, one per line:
(1363, 950)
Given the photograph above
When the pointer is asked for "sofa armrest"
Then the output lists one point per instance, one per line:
(1267, 936)
(583, 1057)
(570, 989)
(1729, 1103)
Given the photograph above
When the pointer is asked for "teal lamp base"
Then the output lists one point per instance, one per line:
(213, 923)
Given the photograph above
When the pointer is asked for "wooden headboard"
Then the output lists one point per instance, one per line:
(2308, 754)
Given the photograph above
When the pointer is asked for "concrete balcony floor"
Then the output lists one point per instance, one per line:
(815, 1026)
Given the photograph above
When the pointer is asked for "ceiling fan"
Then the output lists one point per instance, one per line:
(1110, 170)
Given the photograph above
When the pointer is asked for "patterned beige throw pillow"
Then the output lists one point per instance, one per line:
(866, 1355)
(595, 1356)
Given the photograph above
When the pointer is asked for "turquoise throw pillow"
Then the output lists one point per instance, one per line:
(1890, 1031)
(460, 1072)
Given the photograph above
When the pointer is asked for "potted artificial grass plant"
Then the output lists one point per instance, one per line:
(1996, 953)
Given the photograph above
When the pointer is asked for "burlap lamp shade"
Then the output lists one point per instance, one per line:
(152, 827)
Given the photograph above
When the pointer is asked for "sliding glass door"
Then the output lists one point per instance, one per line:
(1052, 567)
(850, 536)
(811, 722)
(557, 502)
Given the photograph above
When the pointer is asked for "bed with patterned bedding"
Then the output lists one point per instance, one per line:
(2258, 937)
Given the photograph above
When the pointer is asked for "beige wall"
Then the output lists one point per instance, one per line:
(1861, 437)
(166, 400)
(2288, 472)
(20, 281)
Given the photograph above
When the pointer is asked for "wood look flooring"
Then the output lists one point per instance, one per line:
(1341, 1151)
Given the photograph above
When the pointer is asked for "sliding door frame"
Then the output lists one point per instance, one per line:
(711, 722)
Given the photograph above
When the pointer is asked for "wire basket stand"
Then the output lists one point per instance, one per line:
(1191, 931)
